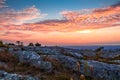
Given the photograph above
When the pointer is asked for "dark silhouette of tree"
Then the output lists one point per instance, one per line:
(18, 43)
(1, 44)
(21, 44)
(37, 44)
(11, 44)
(30, 44)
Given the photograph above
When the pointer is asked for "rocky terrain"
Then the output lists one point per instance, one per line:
(58, 63)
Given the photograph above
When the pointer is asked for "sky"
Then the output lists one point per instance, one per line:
(60, 22)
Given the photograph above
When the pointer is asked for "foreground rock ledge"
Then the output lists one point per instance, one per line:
(8, 76)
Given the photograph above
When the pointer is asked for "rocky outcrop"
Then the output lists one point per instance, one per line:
(102, 71)
(33, 59)
(89, 53)
(44, 50)
(29, 57)
(116, 61)
(66, 61)
(3, 64)
(44, 57)
(110, 54)
(7, 76)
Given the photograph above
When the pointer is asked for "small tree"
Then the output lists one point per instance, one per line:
(21, 43)
(30, 44)
(1, 44)
(18, 43)
(37, 44)
(12, 44)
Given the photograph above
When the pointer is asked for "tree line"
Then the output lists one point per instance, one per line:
(18, 43)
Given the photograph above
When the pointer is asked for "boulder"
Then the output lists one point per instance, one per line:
(29, 57)
(68, 62)
(3, 64)
(33, 59)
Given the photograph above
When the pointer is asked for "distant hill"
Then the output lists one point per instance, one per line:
(94, 47)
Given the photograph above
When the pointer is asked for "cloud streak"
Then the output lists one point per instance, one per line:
(15, 34)
(2, 4)
(21, 16)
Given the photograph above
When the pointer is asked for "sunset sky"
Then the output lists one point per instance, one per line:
(60, 22)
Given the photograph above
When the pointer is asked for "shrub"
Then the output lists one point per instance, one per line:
(7, 57)
(37, 44)
(1, 44)
(30, 44)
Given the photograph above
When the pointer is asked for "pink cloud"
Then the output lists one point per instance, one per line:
(106, 16)
(2, 4)
(21, 16)
(15, 34)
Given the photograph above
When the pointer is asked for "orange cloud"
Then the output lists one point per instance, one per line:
(96, 18)
(71, 21)
(73, 28)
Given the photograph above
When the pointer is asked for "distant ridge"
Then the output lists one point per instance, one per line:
(94, 47)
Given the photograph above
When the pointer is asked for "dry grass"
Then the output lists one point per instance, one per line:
(7, 57)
